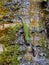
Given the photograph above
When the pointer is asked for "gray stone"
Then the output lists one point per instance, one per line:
(21, 31)
(29, 49)
(20, 59)
(20, 41)
(32, 30)
(22, 48)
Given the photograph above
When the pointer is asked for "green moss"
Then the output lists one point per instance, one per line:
(1, 1)
(9, 55)
(8, 36)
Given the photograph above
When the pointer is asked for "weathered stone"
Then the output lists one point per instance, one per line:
(32, 30)
(29, 49)
(22, 49)
(19, 58)
(20, 40)
(28, 57)
(20, 31)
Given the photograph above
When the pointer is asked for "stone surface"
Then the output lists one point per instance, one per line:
(19, 59)
(29, 49)
(28, 56)
(22, 49)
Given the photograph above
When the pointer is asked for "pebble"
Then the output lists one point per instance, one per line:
(20, 41)
(28, 63)
(22, 49)
(19, 58)
(21, 31)
(28, 57)
(32, 30)
(29, 49)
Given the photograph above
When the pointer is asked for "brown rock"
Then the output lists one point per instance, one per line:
(29, 49)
